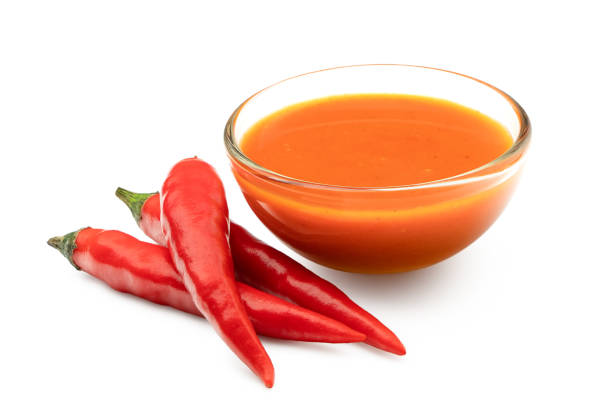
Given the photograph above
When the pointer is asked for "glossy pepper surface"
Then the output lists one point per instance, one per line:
(272, 271)
(146, 270)
(195, 226)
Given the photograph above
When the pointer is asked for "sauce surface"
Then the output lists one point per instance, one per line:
(375, 140)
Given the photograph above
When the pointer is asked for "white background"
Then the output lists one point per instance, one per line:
(94, 95)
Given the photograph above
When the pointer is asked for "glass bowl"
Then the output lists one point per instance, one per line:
(383, 229)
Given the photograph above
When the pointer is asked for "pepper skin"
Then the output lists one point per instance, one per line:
(195, 226)
(146, 270)
(274, 272)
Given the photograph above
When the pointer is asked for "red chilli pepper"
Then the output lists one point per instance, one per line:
(272, 271)
(146, 270)
(195, 225)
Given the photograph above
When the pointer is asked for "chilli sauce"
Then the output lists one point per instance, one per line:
(375, 140)
(352, 142)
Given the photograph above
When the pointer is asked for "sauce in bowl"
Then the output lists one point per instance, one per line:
(378, 168)
(375, 140)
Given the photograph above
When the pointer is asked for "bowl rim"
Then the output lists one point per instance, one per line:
(516, 150)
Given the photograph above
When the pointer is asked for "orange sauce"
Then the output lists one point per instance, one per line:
(376, 141)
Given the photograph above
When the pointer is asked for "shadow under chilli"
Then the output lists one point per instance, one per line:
(317, 347)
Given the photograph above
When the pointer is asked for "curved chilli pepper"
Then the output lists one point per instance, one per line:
(266, 268)
(195, 225)
(146, 270)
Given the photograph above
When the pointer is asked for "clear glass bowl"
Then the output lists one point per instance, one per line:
(384, 229)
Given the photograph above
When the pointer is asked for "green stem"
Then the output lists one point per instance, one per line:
(66, 244)
(134, 201)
